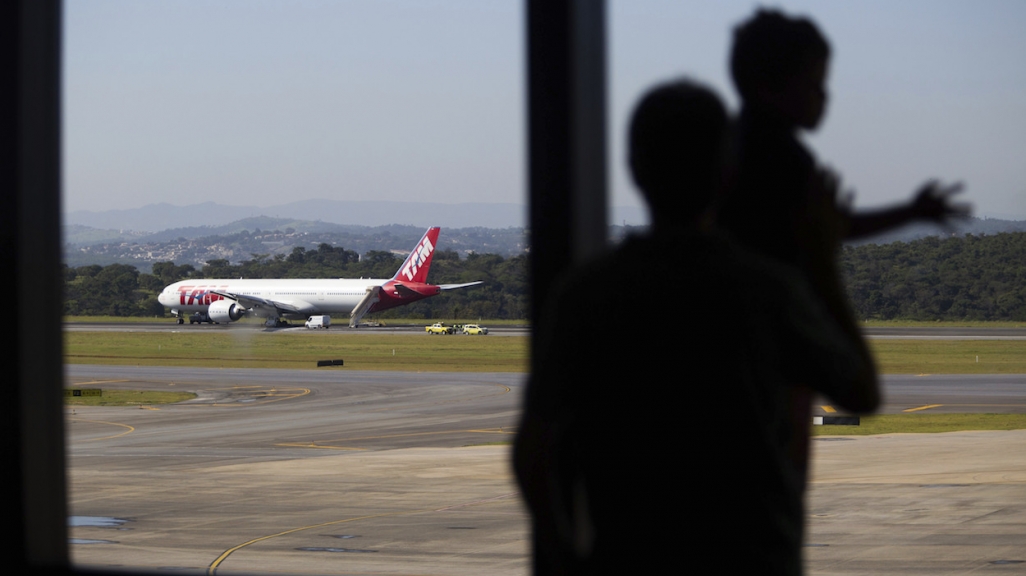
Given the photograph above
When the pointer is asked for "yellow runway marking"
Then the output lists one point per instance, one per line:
(494, 431)
(100, 382)
(212, 569)
(828, 409)
(129, 431)
(927, 407)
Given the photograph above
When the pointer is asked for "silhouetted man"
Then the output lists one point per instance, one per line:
(655, 446)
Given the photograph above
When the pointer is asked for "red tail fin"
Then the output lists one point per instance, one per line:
(415, 268)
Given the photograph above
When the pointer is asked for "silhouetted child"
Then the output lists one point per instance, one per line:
(781, 204)
(644, 445)
(781, 198)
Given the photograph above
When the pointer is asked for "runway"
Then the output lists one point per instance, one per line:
(342, 472)
(945, 333)
(338, 328)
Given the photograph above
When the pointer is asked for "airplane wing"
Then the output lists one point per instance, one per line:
(257, 302)
(455, 286)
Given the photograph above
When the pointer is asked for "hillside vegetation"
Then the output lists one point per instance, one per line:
(961, 278)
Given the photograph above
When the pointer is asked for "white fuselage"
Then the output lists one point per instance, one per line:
(308, 296)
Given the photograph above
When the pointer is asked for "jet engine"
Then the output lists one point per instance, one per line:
(225, 311)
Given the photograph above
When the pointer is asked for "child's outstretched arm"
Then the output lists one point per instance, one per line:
(932, 203)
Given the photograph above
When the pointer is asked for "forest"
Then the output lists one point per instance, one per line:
(958, 278)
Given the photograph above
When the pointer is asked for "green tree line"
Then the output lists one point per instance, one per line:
(960, 278)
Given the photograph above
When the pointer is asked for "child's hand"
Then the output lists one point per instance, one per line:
(933, 202)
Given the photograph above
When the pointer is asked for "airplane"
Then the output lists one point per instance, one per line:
(222, 300)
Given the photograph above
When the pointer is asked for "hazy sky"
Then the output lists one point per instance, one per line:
(261, 102)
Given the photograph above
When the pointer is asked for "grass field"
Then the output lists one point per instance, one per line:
(950, 356)
(129, 398)
(299, 349)
(922, 423)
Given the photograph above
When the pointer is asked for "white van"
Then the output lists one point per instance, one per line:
(319, 322)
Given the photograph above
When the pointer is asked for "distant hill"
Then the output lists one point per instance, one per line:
(974, 226)
(162, 222)
(158, 217)
(238, 240)
(273, 237)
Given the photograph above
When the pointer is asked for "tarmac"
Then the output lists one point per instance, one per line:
(336, 472)
(950, 503)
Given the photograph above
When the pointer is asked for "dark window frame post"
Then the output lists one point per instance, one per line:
(566, 157)
(32, 417)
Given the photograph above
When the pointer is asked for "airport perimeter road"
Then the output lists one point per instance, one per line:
(298, 472)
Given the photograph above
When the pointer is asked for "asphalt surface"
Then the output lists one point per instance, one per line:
(342, 472)
(960, 333)
(336, 328)
(949, 393)
(319, 472)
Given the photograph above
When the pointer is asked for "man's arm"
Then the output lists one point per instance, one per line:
(825, 347)
(824, 321)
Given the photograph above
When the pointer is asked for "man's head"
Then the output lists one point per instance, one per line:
(780, 63)
(676, 146)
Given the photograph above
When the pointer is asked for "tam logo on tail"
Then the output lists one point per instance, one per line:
(415, 269)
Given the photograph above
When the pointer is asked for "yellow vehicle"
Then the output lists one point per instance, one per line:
(438, 328)
(472, 329)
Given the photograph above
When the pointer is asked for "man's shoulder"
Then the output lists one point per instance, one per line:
(679, 264)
